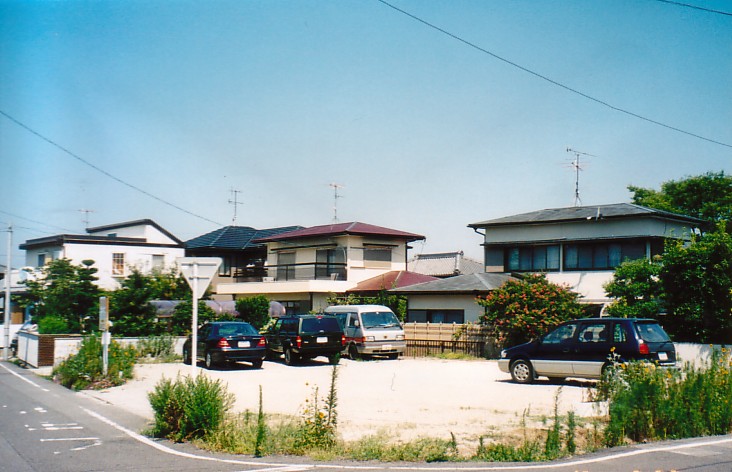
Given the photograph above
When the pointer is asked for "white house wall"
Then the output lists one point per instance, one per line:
(452, 302)
(149, 233)
(589, 230)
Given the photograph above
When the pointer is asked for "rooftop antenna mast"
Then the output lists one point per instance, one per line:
(335, 187)
(234, 200)
(577, 168)
(85, 219)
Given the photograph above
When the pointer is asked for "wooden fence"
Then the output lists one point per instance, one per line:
(425, 339)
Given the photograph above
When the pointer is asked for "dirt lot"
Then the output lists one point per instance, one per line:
(405, 398)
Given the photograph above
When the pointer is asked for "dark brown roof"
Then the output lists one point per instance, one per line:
(392, 279)
(338, 229)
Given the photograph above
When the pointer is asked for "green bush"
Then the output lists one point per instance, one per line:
(189, 408)
(650, 403)
(52, 324)
(158, 347)
(84, 369)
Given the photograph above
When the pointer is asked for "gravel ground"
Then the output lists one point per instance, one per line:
(404, 398)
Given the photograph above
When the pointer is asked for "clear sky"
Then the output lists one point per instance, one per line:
(158, 109)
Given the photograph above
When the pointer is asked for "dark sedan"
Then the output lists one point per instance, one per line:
(227, 341)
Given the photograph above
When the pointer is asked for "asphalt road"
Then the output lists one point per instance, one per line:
(45, 427)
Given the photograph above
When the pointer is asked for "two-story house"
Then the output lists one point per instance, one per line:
(307, 265)
(580, 246)
(115, 250)
(242, 257)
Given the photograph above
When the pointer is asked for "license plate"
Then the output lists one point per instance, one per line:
(322, 339)
(244, 344)
(662, 356)
(386, 347)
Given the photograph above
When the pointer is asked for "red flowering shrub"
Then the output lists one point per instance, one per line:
(524, 309)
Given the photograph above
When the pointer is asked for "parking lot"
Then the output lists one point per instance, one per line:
(404, 398)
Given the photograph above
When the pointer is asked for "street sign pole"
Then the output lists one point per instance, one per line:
(198, 271)
(104, 327)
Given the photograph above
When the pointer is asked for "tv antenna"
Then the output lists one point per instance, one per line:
(234, 200)
(85, 218)
(335, 187)
(577, 168)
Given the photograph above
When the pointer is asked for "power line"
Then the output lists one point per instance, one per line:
(551, 81)
(102, 171)
(708, 10)
(35, 221)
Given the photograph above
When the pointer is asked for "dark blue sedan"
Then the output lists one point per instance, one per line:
(227, 341)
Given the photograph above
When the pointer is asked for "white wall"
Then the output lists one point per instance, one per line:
(453, 302)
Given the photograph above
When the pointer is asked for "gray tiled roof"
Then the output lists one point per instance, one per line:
(445, 264)
(235, 237)
(555, 215)
(470, 283)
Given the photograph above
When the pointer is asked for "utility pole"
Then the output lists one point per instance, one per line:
(335, 187)
(234, 202)
(8, 273)
(577, 169)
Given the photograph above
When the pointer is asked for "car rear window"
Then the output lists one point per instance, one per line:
(651, 332)
(237, 329)
(317, 325)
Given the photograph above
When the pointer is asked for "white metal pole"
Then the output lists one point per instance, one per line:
(194, 322)
(8, 274)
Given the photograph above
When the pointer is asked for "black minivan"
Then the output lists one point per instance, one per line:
(583, 348)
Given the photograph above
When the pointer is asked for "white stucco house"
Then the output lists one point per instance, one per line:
(307, 265)
(115, 250)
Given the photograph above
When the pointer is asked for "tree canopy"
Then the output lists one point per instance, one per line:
(707, 196)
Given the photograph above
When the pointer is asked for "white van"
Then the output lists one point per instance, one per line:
(370, 330)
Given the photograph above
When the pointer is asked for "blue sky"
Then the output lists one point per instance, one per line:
(187, 100)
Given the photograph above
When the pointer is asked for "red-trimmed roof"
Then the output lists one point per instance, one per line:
(393, 279)
(337, 229)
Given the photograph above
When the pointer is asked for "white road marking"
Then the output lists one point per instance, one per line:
(24, 379)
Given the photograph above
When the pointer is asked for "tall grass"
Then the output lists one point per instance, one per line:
(648, 403)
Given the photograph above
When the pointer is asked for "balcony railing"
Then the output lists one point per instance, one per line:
(308, 271)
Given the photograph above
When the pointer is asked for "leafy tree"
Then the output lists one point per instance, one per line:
(637, 288)
(707, 196)
(170, 285)
(254, 310)
(521, 310)
(697, 285)
(67, 291)
(183, 315)
(129, 308)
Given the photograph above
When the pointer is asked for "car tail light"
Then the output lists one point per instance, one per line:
(298, 342)
(343, 339)
(643, 348)
(223, 343)
(262, 342)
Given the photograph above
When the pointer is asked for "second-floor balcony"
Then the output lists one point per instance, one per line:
(307, 271)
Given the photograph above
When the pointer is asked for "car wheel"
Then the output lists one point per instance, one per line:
(393, 356)
(209, 361)
(186, 356)
(522, 372)
(257, 364)
(290, 357)
(333, 359)
(353, 352)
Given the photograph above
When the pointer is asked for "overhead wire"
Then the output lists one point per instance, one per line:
(695, 7)
(102, 171)
(551, 81)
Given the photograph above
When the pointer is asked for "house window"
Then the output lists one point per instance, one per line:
(602, 255)
(225, 267)
(118, 263)
(330, 263)
(532, 258)
(42, 259)
(377, 257)
(158, 262)
(436, 316)
(285, 266)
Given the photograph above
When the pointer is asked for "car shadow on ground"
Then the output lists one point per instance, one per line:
(230, 366)
(583, 383)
